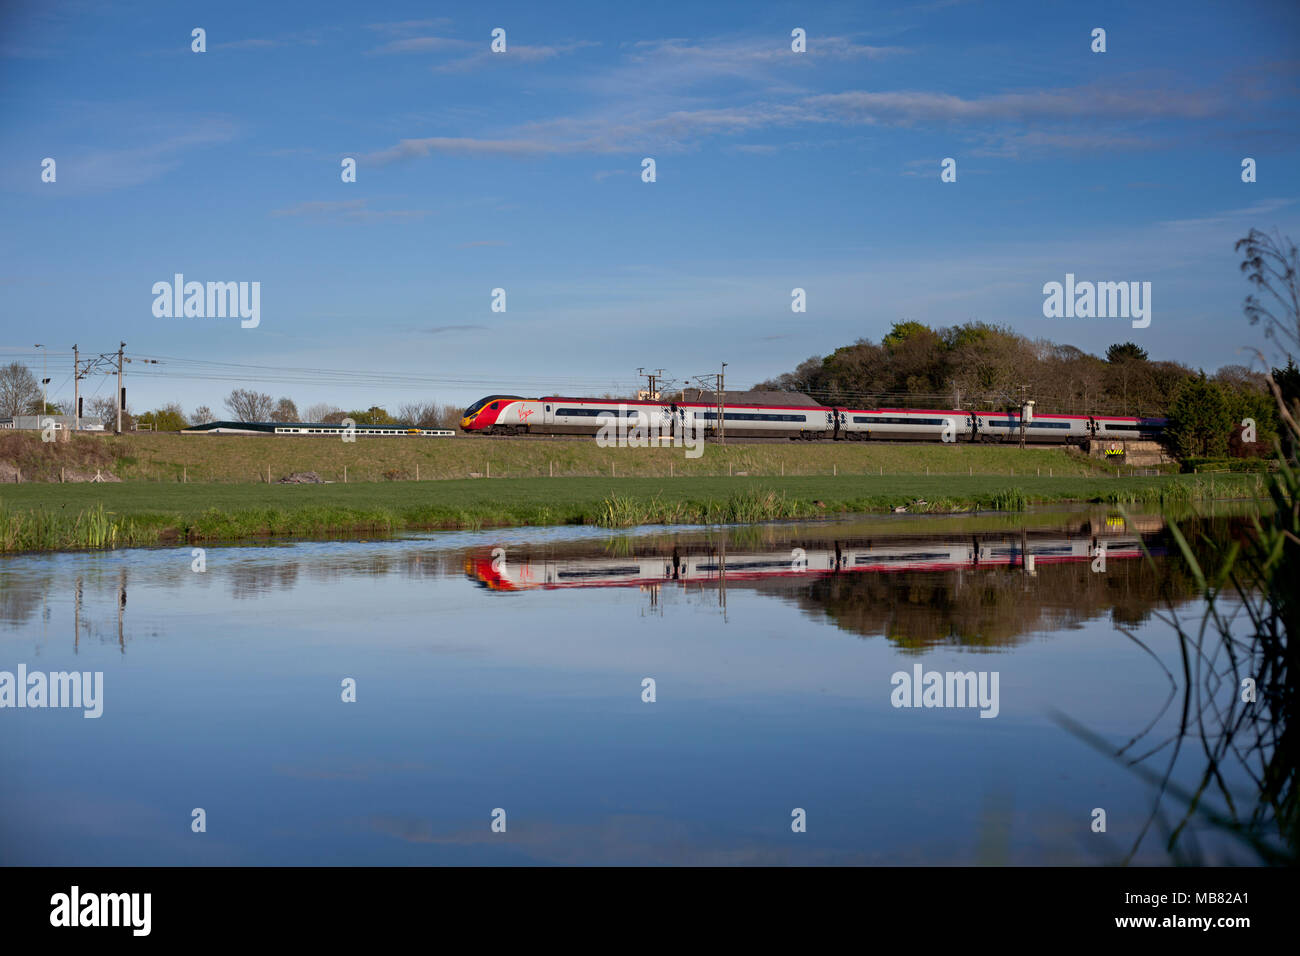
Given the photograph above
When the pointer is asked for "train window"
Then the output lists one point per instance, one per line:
(1015, 423)
(596, 412)
(482, 402)
(752, 417)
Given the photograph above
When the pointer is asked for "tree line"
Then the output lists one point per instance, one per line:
(247, 405)
(20, 394)
(984, 367)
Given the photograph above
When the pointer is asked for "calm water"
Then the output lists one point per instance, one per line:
(505, 670)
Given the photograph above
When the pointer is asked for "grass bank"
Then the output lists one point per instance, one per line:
(36, 517)
(240, 459)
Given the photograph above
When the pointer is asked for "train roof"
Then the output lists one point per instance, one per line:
(861, 411)
(270, 427)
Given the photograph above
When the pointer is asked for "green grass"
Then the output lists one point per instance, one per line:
(238, 459)
(60, 516)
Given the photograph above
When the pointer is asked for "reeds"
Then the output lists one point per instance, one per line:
(744, 507)
(42, 530)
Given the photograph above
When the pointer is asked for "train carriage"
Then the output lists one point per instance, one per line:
(1039, 429)
(907, 424)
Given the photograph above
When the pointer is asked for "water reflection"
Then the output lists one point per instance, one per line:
(504, 668)
(946, 587)
(919, 590)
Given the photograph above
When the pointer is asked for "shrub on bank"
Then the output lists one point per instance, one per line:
(1247, 465)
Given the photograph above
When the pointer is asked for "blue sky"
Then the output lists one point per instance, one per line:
(521, 171)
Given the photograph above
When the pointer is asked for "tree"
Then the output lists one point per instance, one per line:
(1242, 378)
(989, 360)
(902, 331)
(246, 405)
(432, 415)
(916, 359)
(374, 415)
(449, 416)
(982, 365)
(800, 380)
(1128, 376)
(848, 374)
(1069, 378)
(19, 392)
(1155, 393)
(320, 411)
(1288, 390)
(1247, 395)
(203, 415)
(1288, 382)
(104, 411)
(1128, 352)
(169, 418)
(1200, 422)
(418, 413)
(285, 411)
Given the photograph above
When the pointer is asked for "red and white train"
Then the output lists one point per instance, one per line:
(514, 415)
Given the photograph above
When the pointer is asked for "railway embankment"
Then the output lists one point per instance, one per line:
(240, 459)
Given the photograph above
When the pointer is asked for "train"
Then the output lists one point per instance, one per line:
(555, 415)
(315, 428)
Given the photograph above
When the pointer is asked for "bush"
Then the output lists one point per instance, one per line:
(1190, 465)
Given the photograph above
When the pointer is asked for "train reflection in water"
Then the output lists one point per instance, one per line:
(697, 563)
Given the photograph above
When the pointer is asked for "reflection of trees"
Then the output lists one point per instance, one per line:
(983, 607)
(996, 606)
(19, 600)
(252, 580)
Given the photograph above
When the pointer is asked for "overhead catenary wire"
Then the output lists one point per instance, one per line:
(200, 369)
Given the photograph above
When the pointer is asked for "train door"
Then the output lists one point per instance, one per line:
(668, 420)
